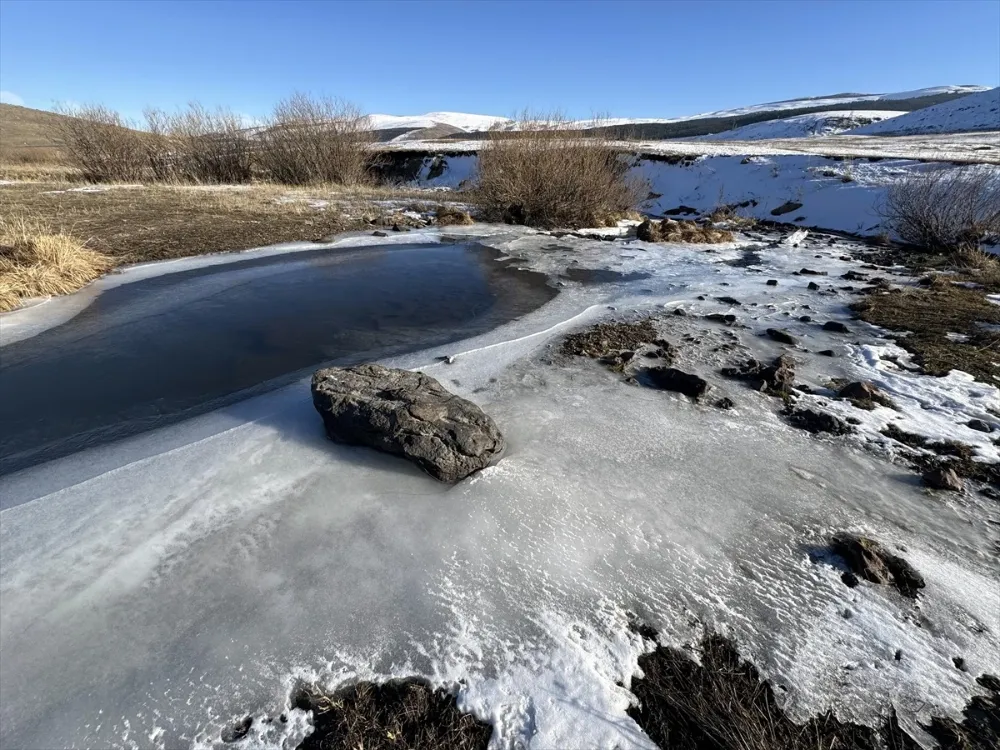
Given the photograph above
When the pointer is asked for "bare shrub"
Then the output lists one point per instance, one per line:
(102, 144)
(669, 230)
(543, 173)
(210, 146)
(36, 262)
(316, 140)
(946, 208)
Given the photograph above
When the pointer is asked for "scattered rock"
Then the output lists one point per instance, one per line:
(786, 208)
(724, 403)
(237, 730)
(379, 233)
(681, 210)
(672, 379)
(775, 379)
(813, 286)
(782, 336)
(854, 276)
(827, 353)
(943, 478)
(817, 421)
(835, 326)
(728, 318)
(805, 319)
(980, 425)
(680, 311)
(810, 272)
(850, 579)
(729, 301)
(772, 282)
(669, 230)
(407, 414)
(870, 560)
(959, 663)
(865, 395)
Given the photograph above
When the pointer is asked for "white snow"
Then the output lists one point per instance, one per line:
(156, 588)
(803, 126)
(467, 122)
(979, 111)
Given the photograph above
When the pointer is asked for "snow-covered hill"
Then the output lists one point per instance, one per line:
(472, 123)
(978, 111)
(804, 126)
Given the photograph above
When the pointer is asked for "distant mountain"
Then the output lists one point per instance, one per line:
(979, 111)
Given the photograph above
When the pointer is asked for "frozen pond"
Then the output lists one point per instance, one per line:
(157, 587)
(156, 350)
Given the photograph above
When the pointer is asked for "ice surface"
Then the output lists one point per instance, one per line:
(155, 588)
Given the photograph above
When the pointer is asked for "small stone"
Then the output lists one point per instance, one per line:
(835, 326)
(237, 730)
(782, 336)
(680, 311)
(813, 286)
(805, 319)
(850, 579)
(943, 478)
(980, 425)
(818, 421)
(847, 614)
(379, 233)
(725, 403)
(672, 379)
(959, 663)
(729, 300)
(772, 282)
(898, 656)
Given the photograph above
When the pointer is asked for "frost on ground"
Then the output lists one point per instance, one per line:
(162, 587)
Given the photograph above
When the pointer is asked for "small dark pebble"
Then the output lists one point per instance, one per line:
(813, 286)
(772, 282)
(805, 319)
(782, 337)
(850, 579)
(379, 233)
(724, 403)
(701, 296)
(679, 311)
(827, 353)
(899, 654)
(959, 663)
(810, 272)
(836, 327)
(729, 300)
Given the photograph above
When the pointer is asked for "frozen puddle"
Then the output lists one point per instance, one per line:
(157, 587)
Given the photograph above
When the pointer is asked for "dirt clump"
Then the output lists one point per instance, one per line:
(670, 230)
(605, 339)
(814, 421)
(865, 395)
(387, 716)
(871, 561)
(775, 379)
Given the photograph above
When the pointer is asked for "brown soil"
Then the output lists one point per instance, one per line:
(605, 339)
(395, 715)
(949, 454)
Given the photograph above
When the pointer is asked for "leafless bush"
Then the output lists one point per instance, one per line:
(202, 145)
(945, 208)
(542, 173)
(102, 144)
(316, 140)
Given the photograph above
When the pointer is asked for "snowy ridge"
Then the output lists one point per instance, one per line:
(979, 111)
(803, 126)
(467, 122)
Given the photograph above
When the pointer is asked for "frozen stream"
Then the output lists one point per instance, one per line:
(156, 587)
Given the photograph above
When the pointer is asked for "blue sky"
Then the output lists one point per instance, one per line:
(627, 59)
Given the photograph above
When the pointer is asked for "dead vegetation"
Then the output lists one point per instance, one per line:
(945, 209)
(543, 174)
(36, 262)
(102, 144)
(943, 324)
(451, 216)
(390, 716)
(316, 140)
(671, 230)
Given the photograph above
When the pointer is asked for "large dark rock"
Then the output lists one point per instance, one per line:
(672, 379)
(408, 414)
(873, 562)
(943, 478)
(775, 379)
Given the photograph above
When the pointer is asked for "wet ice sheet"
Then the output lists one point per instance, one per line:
(149, 601)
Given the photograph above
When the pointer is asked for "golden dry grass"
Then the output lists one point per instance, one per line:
(36, 262)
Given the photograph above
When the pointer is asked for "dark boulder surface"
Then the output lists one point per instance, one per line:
(407, 414)
(870, 560)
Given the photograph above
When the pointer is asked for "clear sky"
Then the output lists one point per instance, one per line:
(627, 59)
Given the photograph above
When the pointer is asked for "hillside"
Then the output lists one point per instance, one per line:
(979, 111)
(26, 132)
(804, 126)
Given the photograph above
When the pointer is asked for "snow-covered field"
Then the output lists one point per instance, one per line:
(158, 587)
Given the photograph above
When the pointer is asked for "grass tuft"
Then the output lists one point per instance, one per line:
(35, 262)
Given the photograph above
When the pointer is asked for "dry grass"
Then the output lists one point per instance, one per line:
(929, 314)
(102, 144)
(451, 216)
(543, 174)
(670, 230)
(391, 716)
(732, 217)
(945, 209)
(36, 262)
